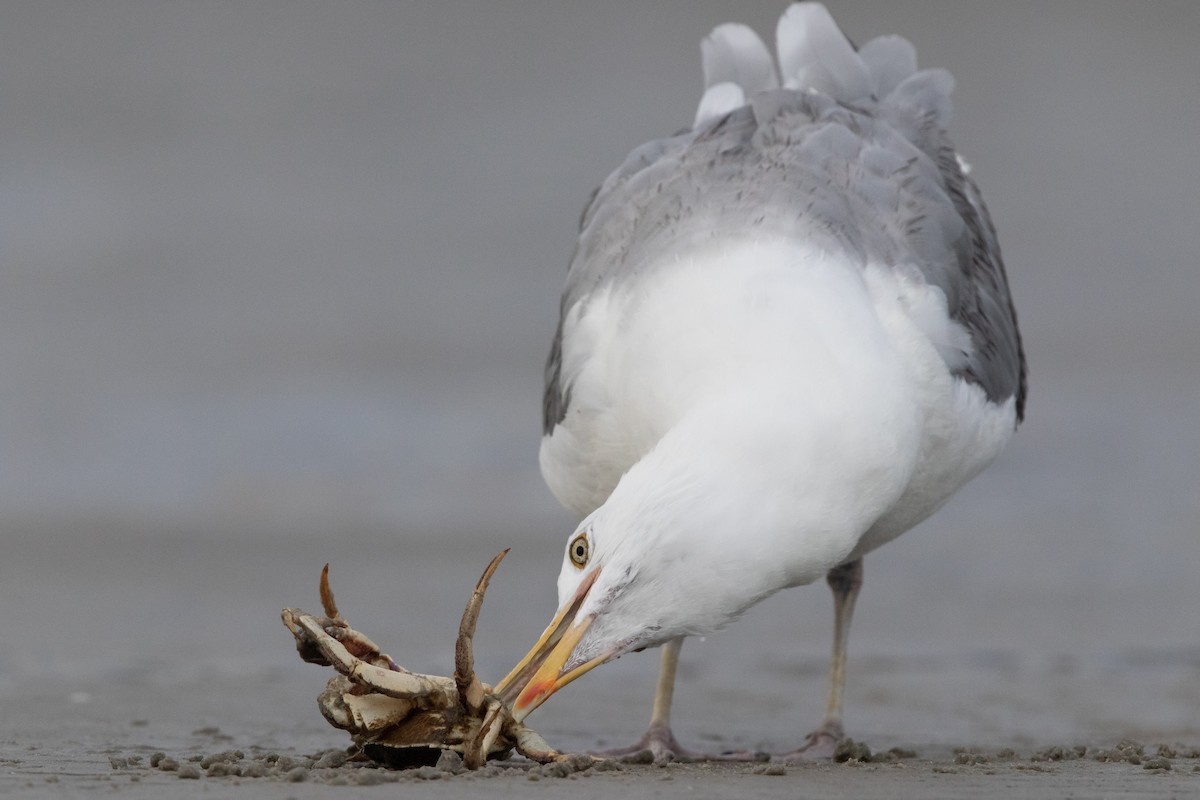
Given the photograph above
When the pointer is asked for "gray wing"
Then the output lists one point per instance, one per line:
(877, 180)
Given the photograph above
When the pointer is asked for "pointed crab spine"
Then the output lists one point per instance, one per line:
(327, 601)
(470, 689)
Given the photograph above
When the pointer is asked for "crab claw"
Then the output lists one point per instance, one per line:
(327, 603)
(470, 689)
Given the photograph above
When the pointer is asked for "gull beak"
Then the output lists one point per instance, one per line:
(544, 670)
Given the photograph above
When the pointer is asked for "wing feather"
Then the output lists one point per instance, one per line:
(852, 155)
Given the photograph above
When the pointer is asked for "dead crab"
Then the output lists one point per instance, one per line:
(402, 718)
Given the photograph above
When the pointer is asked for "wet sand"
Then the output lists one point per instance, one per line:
(139, 741)
(169, 647)
(140, 758)
(959, 775)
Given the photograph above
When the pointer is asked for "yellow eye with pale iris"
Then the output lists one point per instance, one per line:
(578, 550)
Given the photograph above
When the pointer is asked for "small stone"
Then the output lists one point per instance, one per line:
(332, 759)
(255, 769)
(225, 757)
(641, 757)
(771, 769)
(1166, 751)
(427, 774)
(580, 762)
(556, 769)
(1157, 762)
(189, 772)
(296, 775)
(1128, 751)
(168, 764)
(608, 765)
(1049, 754)
(970, 759)
(850, 750)
(223, 768)
(118, 763)
(450, 761)
(156, 758)
(370, 777)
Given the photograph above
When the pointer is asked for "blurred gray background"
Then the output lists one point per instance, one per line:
(277, 280)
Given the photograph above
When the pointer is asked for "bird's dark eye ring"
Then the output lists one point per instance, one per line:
(578, 550)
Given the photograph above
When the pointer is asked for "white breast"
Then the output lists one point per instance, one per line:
(863, 344)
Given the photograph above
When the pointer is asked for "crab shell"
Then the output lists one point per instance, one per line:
(406, 719)
(406, 733)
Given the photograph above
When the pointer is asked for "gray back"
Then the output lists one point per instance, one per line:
(876, 181)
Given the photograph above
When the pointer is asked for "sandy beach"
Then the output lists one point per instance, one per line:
(209, 676)
(276, 287)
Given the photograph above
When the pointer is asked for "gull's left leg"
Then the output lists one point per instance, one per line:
(658, 740)
(845, 581)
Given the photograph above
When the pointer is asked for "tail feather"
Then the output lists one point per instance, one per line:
(928, 90)
(736, 65)
(815, 54)
(718, 100)
(733, 53)
(889, 59)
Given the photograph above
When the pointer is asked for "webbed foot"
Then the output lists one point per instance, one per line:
(818, 745)
(658, 745)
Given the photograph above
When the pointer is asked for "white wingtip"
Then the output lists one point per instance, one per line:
(733, 53)
(736, 65)
(718, 100)
(889, 59)
(814, 54)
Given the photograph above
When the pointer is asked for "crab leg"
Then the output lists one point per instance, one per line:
(402, 685)
(479, 744)
(531, 744)
(327, 603)
(395, 711)
(470, 690)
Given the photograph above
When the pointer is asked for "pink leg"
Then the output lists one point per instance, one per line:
(845, 581)
(658, 741)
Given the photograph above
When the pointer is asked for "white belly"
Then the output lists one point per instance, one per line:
(963, 431)
(635, 363)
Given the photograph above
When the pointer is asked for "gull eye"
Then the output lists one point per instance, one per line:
(578, 550)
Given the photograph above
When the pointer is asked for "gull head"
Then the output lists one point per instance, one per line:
(662, 558)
